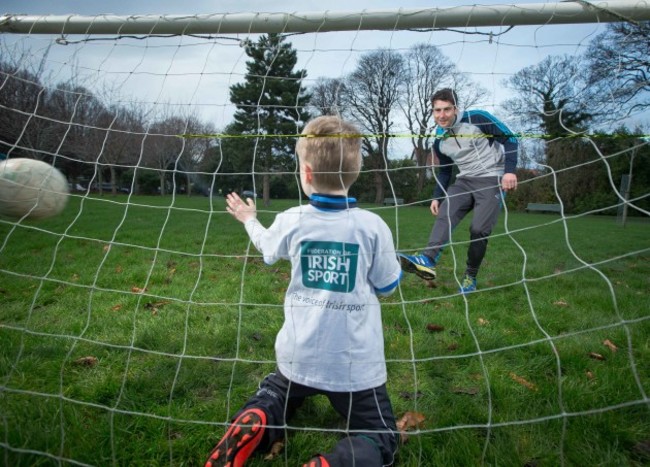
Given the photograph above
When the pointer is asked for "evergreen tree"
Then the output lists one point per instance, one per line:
(270, 106)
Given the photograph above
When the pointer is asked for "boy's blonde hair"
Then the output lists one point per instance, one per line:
(332, 147)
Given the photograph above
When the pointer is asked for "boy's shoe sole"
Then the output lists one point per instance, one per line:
(407, 264)
(318, 461)
(239, 442)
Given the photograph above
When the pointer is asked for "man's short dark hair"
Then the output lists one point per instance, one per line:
(445, 94)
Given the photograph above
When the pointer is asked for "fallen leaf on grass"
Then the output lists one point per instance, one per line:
(170, 275)
(452, 346)
(86, 361)
(435, 327)
(483, 322)
(409, 421)
(431, 284)
(118, 269)
(116, 307)
(642, 449)
(138, 290)
(154, 307)
(610, 345)
(524, 382)
(409, 395)
(596, 356)
(590, 375)
(275, 451)
(532, 463)
(470, 391)
(560, 303)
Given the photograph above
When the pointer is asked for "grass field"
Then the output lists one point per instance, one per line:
(131, 332)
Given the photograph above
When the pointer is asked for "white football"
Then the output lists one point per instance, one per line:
(31, 189)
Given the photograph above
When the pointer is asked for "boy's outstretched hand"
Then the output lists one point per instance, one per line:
(242, 211)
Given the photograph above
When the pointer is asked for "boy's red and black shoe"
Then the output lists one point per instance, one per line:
(239, 442)
(318, 461)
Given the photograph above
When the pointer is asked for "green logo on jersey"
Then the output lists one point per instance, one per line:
(329, 265)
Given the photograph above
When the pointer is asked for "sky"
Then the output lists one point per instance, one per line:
(196, 73)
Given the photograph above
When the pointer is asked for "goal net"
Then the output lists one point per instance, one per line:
(137, 322)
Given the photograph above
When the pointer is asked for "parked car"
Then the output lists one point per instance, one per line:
(249, 194)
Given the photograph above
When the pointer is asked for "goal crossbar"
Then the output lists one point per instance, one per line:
(323, 21)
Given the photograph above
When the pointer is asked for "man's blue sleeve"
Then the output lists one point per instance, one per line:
(511, 154)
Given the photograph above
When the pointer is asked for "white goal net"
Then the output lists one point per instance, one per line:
(138, 321)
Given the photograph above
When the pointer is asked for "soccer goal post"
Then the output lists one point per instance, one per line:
(402, 18)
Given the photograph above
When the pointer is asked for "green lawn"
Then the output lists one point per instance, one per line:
(131, 329)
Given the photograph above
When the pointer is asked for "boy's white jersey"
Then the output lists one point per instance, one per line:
(332, 336)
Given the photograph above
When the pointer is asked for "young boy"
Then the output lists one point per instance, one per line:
(331, 342)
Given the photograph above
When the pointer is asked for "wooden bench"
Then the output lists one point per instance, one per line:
(541, 207)
(393, 201)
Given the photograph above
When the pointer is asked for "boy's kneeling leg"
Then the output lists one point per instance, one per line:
(358, 450)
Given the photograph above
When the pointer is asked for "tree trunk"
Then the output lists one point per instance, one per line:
(162, 183)
(379, 187)
(421, 161)
(113, 180)
(266, 189)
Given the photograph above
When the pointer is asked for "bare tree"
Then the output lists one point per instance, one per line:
(121, 144)
(372, 95)
(72, 109)
(552, 97)
(23, 96)
(80, 120)
(197, 144)
(428, 69)
(326, 96)
(66, 123)
(23, 122)
(619, 63)
(175, 145)
(163, 146)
